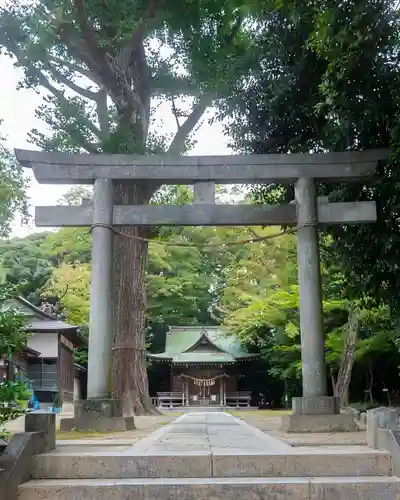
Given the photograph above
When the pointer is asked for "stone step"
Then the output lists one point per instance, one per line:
(322, 488)
(298, 463)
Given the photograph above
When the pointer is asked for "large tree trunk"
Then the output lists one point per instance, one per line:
(346, 366)
(129, 373)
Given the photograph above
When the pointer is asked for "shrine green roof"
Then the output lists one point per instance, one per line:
(201, 345)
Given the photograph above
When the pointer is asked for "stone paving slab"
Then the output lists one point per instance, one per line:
(215, 489)
(190, 489)
(271, 425)
(109, 466)
(302, 465)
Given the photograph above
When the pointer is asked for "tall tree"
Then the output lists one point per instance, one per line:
(102, 65)
(261, 306)
(327, 79)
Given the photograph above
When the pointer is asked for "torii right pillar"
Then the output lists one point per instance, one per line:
(315, 411)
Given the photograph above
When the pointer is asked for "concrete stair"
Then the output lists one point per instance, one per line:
(338, 488)
(210, 456)
(354, 473)
(305, 462)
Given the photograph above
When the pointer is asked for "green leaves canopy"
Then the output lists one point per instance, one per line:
(327, 78)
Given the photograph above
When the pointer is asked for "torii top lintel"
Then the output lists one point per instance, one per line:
(66, 168)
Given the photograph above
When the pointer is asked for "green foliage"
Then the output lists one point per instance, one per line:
(326, 78)
(70, 283)
(12, 325)
(293, 76)
(104, 67)
(57, 402)
(146, 45)
(68, 245)
(183, 284)
(26, 265)
(14, 396)
(13, 335)
(260, 302)
(261, 305)
(81, 353)
(13, 184)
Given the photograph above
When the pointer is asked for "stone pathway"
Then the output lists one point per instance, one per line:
(145, 425)
(209, 433)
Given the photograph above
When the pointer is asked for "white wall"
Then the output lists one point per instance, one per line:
(45, 343)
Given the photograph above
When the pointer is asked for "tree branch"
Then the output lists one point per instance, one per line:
(75, 46)
(22, 57)
(177, 145)
(139, 32)
(63, 100)
(42, 79)
(165, 83)
(175, 113)
(73, 86)
(95, 54)
(124, 57)
(77, 68)
(102, 113)
(87, 31)
(252, 232)
(90, 148)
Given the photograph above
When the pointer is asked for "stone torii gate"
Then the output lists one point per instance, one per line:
(314, 410)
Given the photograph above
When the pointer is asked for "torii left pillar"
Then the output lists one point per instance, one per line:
(100, 412)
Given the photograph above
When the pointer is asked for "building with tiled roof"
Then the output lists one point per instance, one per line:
(204, 366)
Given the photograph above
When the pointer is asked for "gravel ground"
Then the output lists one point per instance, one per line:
(270, 424)
(145, 425)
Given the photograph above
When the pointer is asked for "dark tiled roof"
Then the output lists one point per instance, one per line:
(42, 322)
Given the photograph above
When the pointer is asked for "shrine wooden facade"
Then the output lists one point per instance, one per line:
(204, 368)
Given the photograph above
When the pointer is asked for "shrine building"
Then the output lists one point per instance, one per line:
(205, 368)
(47, 361)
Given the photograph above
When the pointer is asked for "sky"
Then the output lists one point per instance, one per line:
(17, 111)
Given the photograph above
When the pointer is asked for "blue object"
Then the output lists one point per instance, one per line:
(34, 402)
(53, 409)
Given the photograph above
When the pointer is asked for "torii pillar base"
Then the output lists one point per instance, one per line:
(101, 415)
(317, 414)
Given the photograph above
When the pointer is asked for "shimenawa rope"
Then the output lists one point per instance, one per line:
(255, 239)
